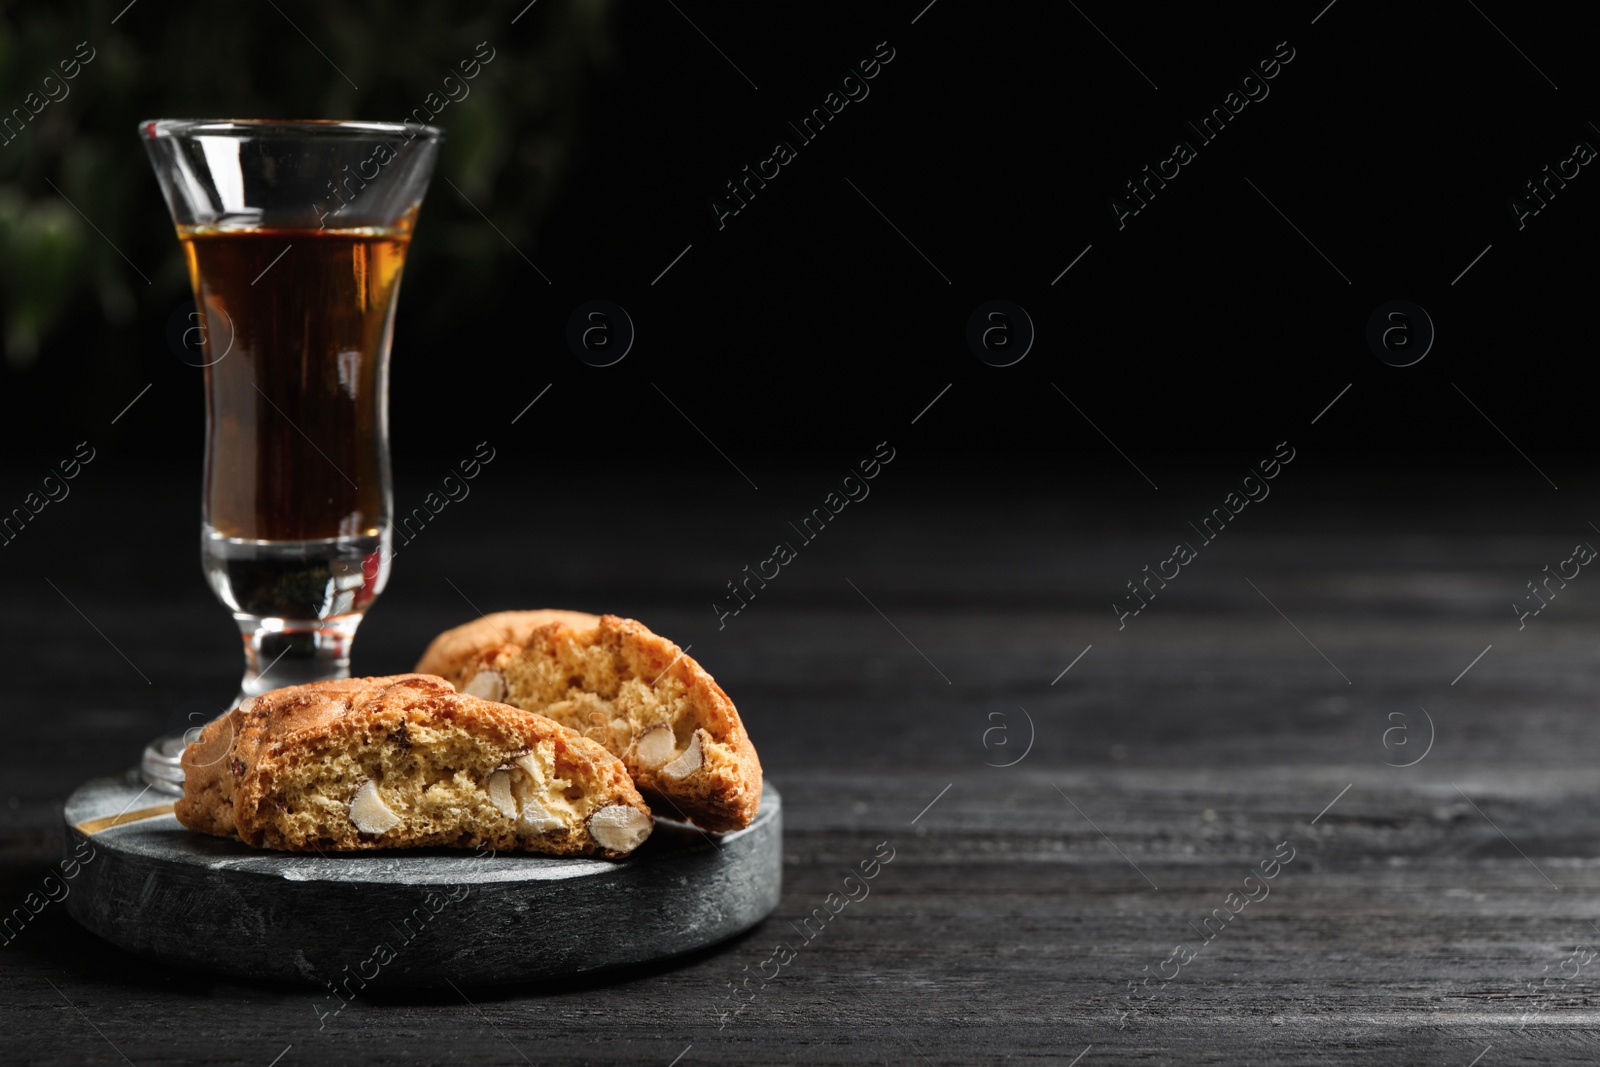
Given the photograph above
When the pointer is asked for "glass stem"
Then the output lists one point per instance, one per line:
(280, 652)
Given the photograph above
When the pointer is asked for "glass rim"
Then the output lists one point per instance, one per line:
(152, 129)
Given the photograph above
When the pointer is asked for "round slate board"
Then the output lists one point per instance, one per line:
(417, 917)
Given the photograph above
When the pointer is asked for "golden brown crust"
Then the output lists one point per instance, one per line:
(724, 794)
(232, 772)
(452, 650)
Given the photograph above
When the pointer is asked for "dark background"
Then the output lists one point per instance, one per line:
(1255, 701)
(808, 329)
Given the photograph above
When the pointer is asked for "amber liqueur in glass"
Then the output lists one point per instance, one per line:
(297, 326)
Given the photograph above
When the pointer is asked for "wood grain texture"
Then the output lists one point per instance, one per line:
(1433, 912)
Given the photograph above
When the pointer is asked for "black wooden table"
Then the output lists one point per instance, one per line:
(1191, 839)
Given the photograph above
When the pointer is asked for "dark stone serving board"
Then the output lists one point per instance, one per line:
(417, 917)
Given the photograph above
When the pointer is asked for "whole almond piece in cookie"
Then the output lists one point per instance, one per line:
(401, 762)
(633, 691)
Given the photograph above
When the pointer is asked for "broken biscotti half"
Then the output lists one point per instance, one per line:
(404, 762)
(633, 691)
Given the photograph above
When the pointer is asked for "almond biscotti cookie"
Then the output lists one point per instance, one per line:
(629, 689)
(401, 762)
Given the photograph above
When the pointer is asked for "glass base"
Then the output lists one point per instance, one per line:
(297, 605)
(275, 657)
(278, 653)
(160, 765)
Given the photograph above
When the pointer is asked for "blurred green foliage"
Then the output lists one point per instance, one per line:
(74, 164)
